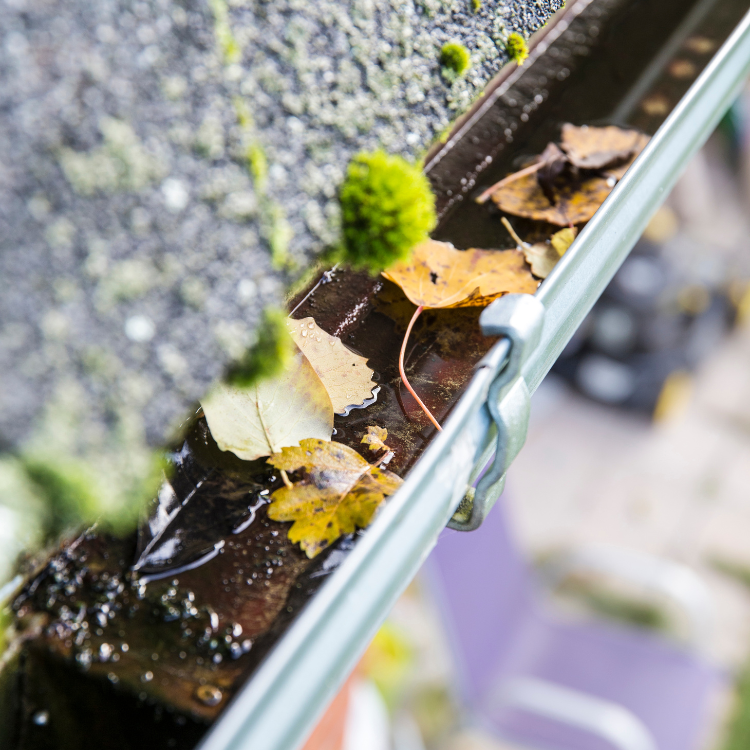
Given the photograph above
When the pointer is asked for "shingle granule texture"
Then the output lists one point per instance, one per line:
(154, 156)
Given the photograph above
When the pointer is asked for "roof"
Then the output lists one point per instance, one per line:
(164, 167)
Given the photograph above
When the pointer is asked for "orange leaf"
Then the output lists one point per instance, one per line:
(439, 276)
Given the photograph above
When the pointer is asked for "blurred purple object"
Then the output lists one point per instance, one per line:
(544, 682)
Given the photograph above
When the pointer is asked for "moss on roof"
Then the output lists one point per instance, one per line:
(165, 165)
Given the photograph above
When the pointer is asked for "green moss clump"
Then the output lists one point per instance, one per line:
(454, 59)
(517, 48)
(66, 490)
(269, 356)
(72, 492)
(476, 5)
(387, 207)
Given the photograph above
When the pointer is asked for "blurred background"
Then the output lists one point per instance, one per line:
(639, 439)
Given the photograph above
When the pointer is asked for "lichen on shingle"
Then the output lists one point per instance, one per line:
(141, 212)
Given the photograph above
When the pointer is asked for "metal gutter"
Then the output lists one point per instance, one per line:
(278, 707)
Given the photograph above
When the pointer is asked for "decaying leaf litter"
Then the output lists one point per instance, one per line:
(290, 419)
(566, 184)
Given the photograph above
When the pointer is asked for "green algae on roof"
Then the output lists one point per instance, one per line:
(146, 226)
(120, 163)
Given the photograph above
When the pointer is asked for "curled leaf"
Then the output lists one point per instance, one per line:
(375, 438)
(275, 412)
(542, 257)
(595, 148)
(439, 276)
(345, 375)
(339, 492)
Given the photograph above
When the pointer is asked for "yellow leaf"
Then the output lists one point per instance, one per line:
(438, 276)
(542, 257)
(345, 374)
(563, 239)
(375, 438)
(339, 493)
(275, 412)
(595, 148)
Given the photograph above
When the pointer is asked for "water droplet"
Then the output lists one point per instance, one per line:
(105, 652)
(113, 678)
(304, 333)
(317, 338)
(311, 325)
(147, 677)
(41, 718)
(84, 658)
(125, 648)
(208, 694)
(332, 342)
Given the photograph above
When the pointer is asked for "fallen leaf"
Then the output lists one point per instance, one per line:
(563, 239)
(559, 187)
(375, 438)
(547, 166)
(595, 148)
(339, 492)
(619, 171)
(345, 374)
(274, 413)
(552, 164)
(542, 257)
(575, 202)
(438, 276)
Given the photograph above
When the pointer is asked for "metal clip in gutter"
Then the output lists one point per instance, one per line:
(518, 317)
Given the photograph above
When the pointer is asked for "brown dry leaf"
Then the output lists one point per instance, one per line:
(439, 276)
(276, 412)
(619, 171)
(375, 438)
(542, 258)
(345, 374)
(563, 239)
(595, 148)
(575, 202)
(339, 492)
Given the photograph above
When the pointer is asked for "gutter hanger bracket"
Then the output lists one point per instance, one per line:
(517, 317)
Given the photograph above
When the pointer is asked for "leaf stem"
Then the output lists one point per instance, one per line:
(513, 234)
(510, 178)
(403, 373)
(285, 477)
